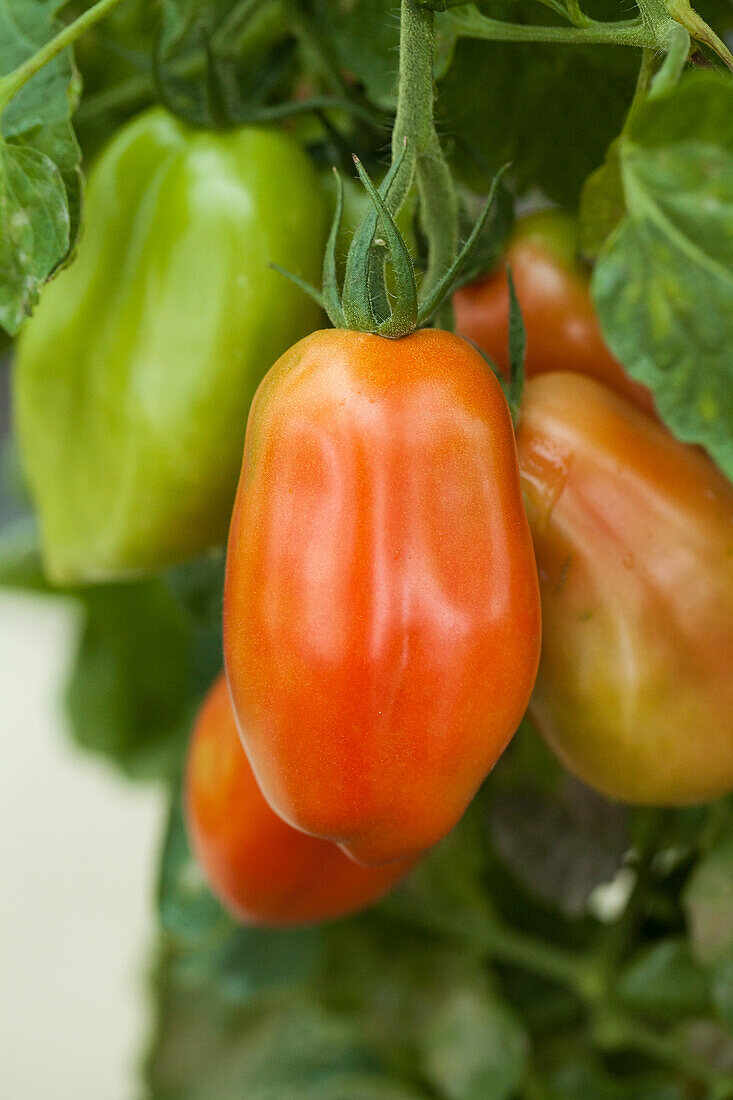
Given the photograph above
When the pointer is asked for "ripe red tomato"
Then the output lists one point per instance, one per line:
(559, 318)
(381, 608)
(262, 870)
(633, 533)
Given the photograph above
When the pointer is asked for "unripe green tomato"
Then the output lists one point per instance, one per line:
(135, 375)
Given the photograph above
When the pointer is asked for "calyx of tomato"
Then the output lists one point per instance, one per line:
(364, 302)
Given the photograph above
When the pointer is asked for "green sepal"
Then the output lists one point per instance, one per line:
(452, 278)
(331, 296)
(517, 349)
(356, 296)
(402, 318)
(357, 291)
(216, 100)
(307, 288)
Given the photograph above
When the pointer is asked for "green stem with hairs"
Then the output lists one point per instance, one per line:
(653, 29)
(627, 32)
(425, 161)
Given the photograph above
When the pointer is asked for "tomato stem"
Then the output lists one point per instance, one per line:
(612, 1028)
(647, 69)
(615, 1031)
(654, 28)
(505, 945)
(627, 32)
(438, 205)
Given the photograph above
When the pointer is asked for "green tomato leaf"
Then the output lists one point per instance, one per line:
(35, 229)
(129, 696)
(426, 1004)
(475, 1048)
(188, 911)
(663, 283)
(440, 895)
(217, 61)
(602, 204)
(20, 555)
(714, 1044)
(552, 111)
(708, 904)
(115, 70)
(207, 1052)
(395, 980)
(210, 1046)
(40, 175)
(579, 1076)
(371, 1087)
(364, 36)
(721, 978)
(664, 980)
(148, 652)
(238, 962)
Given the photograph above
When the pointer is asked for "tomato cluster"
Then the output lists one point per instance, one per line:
(381, 625)
(393, 549)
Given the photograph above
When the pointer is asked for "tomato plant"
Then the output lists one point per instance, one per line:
(632, 532)
(264, 871)
(562, 792)
(358, 620)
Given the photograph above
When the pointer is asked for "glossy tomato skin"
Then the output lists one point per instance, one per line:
(552, 287)
(135, 374)
(262, 870)
(633, 533)
(381, 610)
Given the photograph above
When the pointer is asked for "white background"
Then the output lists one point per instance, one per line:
(78, 847)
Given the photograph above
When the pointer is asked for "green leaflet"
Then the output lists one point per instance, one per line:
(550, 110)
(664, 980)
(216, 60)
(40, 178)
(364, 35)
(708, 903)
(663, 283)
(128, 695)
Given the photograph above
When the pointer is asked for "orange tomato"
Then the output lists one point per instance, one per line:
(381, 608)
(560, 321)
(633, 533)
(262, 870)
